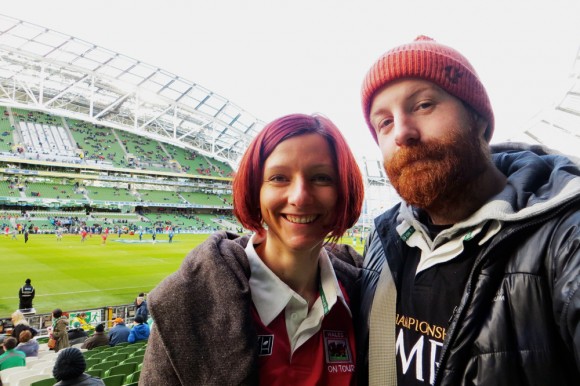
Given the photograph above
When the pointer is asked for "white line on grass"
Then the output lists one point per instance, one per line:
(76, 292)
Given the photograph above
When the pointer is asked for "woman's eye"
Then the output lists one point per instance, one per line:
(277, 178)
(323, 179)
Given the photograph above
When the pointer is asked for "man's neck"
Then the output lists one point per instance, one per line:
(457, 207)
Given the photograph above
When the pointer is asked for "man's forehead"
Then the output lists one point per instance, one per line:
(403, 89)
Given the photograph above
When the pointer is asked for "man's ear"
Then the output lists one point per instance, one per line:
(481, 126)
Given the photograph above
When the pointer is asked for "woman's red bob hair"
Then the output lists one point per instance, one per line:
(249, 177)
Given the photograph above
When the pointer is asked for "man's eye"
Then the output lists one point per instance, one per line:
(384, 125)
(424, 105)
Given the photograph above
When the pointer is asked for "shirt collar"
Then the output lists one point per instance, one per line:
(271, 295)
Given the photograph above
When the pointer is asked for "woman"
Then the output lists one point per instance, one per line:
(240, 307)
(59, 330)
(20, 324)
(28, 345)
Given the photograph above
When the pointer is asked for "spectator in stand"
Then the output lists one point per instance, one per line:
(11, 357)
(141, 305)
(76, 335)
(69, 369)
(28, 345)
(99, 338)
(59, 330)
(140, 330)
(26, 295)
(20, 324)
(80, 321)
(119, 333)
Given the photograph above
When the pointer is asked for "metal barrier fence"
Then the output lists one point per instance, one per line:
(95, 316)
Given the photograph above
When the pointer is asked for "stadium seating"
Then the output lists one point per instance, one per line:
(11, 373)
(136, 359)
(32, 379)
(125, 369)
(92, 361)
(106, 365)
(133, 377)
(98, 144)
(114, 380)
(95, 372)
(44, 382)
(117, 357)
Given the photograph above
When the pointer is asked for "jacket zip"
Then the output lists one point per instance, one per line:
(459, 312)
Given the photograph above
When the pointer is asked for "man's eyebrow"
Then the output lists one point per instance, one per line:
(419, 90)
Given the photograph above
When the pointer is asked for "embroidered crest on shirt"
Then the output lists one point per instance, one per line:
(336, 347)
(265, 345)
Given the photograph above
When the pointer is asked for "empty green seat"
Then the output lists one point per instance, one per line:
(92, 361)
(105, 365)
(133, 377)
(114, 380)
(95, 372)
(133, 360)
(44, 382)
(118, 357)
(125, 369)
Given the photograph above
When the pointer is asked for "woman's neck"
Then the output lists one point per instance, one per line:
(298, 270)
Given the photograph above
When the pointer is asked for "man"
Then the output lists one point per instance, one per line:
(474, 277)
(141, 307)
(26, 295)
(140, 330)
(99, 338)
(119, 333)
(11, 357)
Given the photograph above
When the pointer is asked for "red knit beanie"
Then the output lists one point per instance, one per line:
(426, 59)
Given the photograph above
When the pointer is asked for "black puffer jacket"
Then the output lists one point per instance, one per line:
(530, 334)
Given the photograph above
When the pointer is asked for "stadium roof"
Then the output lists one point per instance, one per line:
(45, 70)
(558, 126)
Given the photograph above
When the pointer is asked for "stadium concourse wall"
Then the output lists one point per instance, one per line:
(94, 316)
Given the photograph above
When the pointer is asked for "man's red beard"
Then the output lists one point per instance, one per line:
(431, 175)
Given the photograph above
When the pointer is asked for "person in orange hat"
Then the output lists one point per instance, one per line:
(119, 333)
(473, 277)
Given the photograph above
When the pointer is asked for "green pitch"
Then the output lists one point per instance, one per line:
(72, 275)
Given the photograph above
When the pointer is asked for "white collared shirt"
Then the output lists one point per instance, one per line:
(271, 296)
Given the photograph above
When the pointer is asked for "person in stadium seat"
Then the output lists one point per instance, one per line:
(59, 330)
(99, 338)
(69, 369)
(26, 295)
(140, 330)
(119, 333)
(141, 305)
(240, 307)
(473, 278)
(28, 345)
(11, 357)
(20, 324)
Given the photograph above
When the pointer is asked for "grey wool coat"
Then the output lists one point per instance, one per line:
(203, 331)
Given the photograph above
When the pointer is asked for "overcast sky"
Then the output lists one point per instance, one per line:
(278, 57)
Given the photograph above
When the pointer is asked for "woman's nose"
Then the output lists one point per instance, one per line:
(300, 193)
